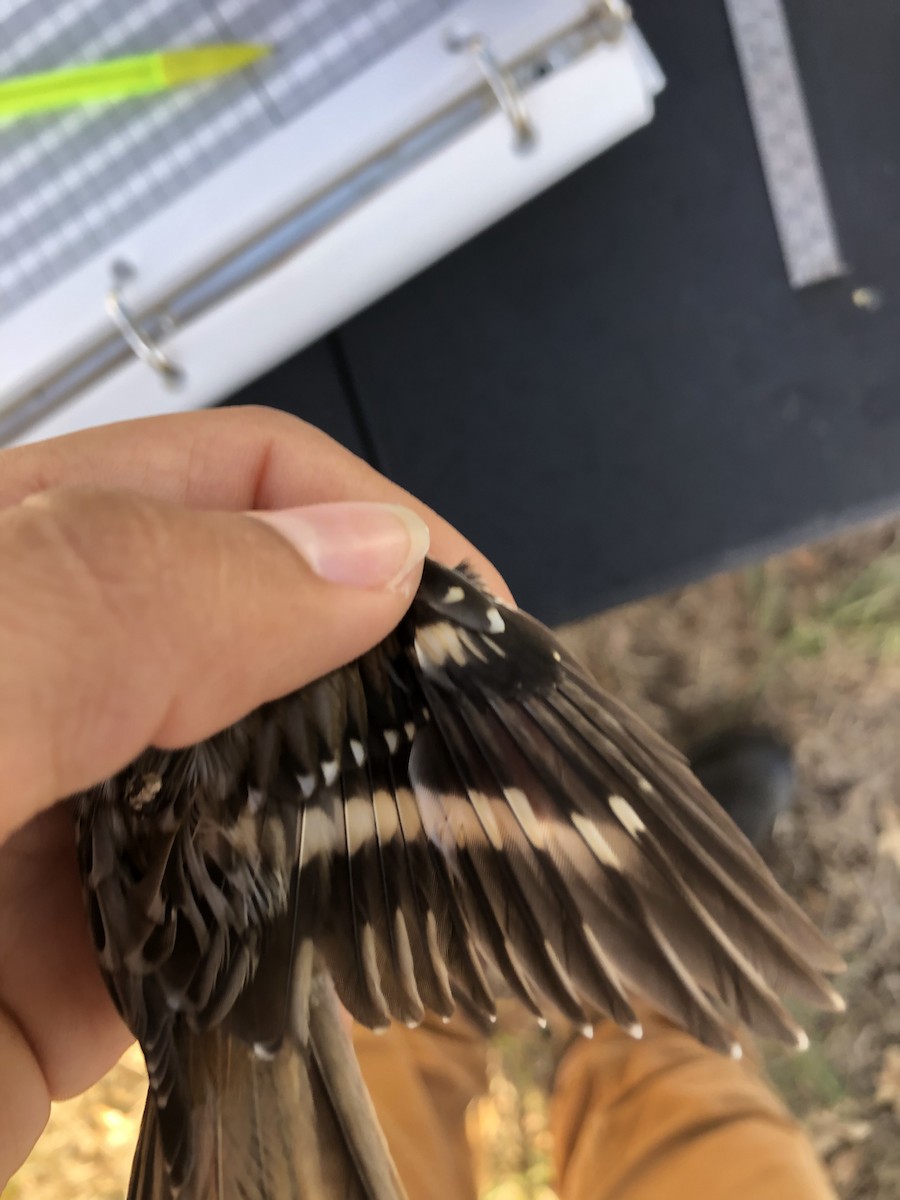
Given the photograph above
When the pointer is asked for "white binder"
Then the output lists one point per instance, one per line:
(284, 209)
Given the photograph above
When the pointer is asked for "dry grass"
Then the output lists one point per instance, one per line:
(85, 1153)
(807, 644)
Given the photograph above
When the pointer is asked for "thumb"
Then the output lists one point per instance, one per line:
(127, 621)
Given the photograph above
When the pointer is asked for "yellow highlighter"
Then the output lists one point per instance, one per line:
(121, 78)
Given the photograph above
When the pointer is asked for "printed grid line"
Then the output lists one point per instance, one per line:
(72, 182)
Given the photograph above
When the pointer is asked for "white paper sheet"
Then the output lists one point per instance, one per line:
(71, 182)
(580, 112)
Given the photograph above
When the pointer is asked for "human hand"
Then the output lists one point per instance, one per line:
(139, 604)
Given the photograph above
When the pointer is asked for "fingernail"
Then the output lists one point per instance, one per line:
(356, 544)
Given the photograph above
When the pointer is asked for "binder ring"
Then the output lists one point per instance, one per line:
(138, 341)
(505, 89)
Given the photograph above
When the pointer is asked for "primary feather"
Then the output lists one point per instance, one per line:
(460, 810)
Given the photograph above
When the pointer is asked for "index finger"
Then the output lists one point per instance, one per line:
(230, 458)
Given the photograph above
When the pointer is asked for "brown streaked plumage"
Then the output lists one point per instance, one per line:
(460, 810)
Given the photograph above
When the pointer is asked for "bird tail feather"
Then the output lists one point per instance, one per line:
(297, 1124)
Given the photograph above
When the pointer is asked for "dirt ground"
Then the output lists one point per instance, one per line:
(807, 644)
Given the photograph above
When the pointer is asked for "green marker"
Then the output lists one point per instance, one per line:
(121, 78)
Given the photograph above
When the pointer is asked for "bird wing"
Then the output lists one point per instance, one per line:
(462, 805)
(504, 816)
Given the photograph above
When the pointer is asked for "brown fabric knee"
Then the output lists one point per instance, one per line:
(665, 1118)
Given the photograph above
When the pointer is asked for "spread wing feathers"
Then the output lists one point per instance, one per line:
(298, 1123)
(589, 860)
(461, 809)
(483, 811)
